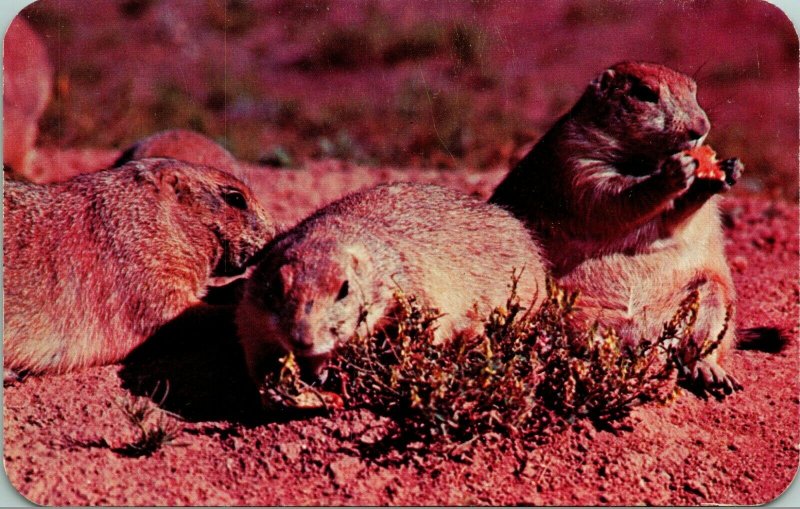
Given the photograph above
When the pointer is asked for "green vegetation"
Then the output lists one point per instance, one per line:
(153, 427)
(135, 8)
(378, 40)
(447, 118)
(234, 17)
(530, 373)
(378, 86)
(592, 12)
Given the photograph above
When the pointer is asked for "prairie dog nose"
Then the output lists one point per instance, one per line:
(301, 338)
(699, 128)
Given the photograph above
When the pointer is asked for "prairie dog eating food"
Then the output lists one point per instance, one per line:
(612, 193)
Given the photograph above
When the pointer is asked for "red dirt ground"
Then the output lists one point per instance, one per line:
(125, 69)
(65, 436)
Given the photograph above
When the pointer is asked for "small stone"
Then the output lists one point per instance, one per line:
(234, 443)
(696, 488)
(531, 470)
(291, 451)
(739, 263)
(344, 469)
(367, 439)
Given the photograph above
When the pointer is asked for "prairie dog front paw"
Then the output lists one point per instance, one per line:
(678, 171)
(733, 169)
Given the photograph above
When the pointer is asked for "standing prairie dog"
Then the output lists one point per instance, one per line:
(94, 265)
(183, 145)
(27, 81)
(452, 251)
(620, 214)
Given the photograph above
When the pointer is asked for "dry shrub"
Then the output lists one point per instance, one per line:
(154, 428)
(593, 374)
(528, 375)
(456, 390)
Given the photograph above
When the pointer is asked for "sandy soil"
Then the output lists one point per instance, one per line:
(66, 437)
(124, 69)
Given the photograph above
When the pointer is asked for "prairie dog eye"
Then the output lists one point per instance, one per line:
(343, 291)
(644, 93)
(235, 199)
(274, 290)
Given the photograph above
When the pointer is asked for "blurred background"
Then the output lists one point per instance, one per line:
(449, 84)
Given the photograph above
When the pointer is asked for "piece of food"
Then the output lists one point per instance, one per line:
(708, 165)
(286, 388)
(313, 399)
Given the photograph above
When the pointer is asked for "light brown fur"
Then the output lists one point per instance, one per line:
(183, 145)
(27, 81)
(449, 250)
(619, 212)
(94, 265)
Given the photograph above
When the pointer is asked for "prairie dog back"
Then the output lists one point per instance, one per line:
(314, 282)
(183, 145)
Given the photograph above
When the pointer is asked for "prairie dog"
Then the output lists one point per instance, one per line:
(94, 265)
(183, 145)
(27, 81)
(619, 212)
(450, 250)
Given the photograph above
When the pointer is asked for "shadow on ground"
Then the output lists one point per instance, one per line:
(193, 366)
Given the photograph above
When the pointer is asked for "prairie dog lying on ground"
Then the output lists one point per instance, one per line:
(308, 292)
(94, 265)
(183, 145)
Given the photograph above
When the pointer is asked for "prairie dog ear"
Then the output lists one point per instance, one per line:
(358, 258)
(286, 274)
(165, 178)
(603, 82)
(172, 181)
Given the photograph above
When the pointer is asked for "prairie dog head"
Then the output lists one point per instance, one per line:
(308, 301)
(207, 203)
(647, 109)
